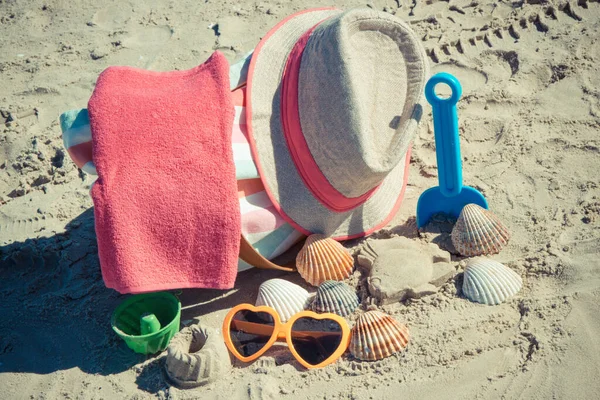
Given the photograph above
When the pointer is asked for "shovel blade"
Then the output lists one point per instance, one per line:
(432, 201)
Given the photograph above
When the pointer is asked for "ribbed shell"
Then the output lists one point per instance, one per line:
(335, 297)
(323, 259)
(377, 335)
(489, 282)
(478, 232)
(196, 357)
(285, 297)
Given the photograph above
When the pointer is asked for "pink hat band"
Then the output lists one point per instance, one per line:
(306, 165)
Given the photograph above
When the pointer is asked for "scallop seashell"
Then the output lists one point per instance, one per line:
(322, 259)
(489, 282)
(377, 335)
(285, 297)
(196, 357)
(478, 232)
(335, 297)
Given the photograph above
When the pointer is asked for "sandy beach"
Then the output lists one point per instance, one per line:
(530, 138)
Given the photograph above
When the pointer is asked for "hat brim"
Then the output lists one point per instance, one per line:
(283, 184)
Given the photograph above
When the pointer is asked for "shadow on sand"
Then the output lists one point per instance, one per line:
(55, 309)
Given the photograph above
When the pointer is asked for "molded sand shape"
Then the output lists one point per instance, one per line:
(197, 357)
(401, 268)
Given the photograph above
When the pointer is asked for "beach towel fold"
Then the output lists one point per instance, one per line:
(165, 203)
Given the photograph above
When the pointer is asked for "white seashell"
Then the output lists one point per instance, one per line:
(489, 282)
(377, 335)
(323, 258)
(285, 297)
(478, 232)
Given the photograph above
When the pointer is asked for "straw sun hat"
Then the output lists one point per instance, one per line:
(333, 103)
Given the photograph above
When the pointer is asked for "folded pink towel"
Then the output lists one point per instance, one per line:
(165, 202)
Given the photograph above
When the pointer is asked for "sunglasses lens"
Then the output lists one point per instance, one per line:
(250, 331)
(315, 340)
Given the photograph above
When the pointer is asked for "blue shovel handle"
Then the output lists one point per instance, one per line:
(447, 145)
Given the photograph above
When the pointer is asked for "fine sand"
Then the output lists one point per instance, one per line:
(530, 126)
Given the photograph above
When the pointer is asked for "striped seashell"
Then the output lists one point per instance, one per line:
(489, 282)
(377, 335)
(322, 258)
(285, 297)
(335, 297)
(478, 232)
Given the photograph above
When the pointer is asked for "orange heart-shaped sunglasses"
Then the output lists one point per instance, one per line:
(315, 340)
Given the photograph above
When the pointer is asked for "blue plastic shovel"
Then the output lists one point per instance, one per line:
(450, 196)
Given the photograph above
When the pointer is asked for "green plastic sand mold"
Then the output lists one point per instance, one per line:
(147, 322)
